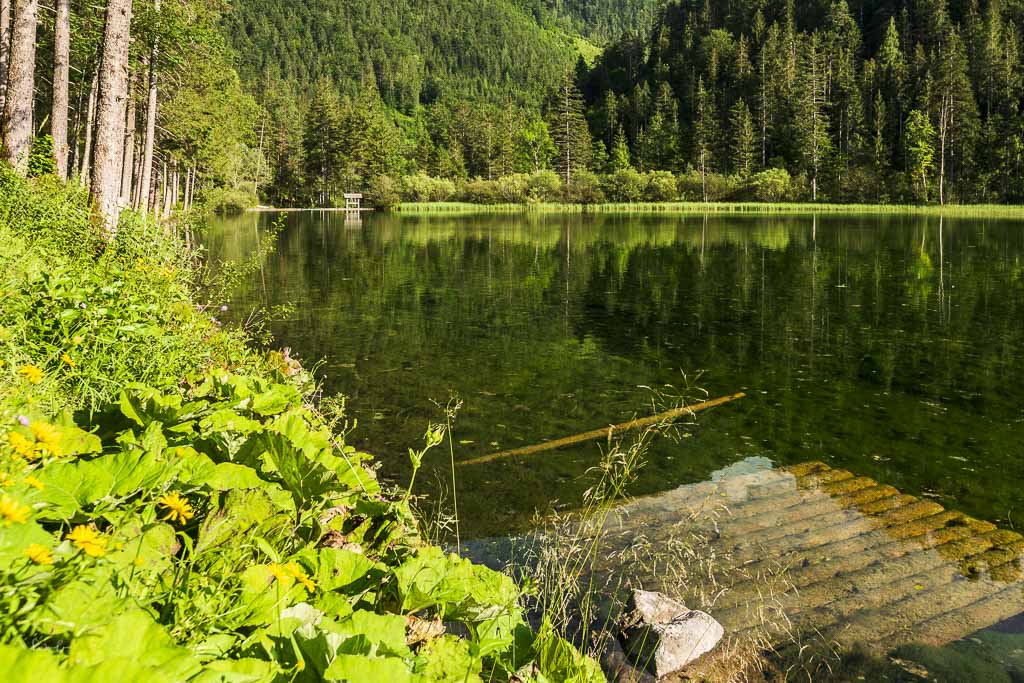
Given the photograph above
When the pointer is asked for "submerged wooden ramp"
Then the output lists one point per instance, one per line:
(858, 561)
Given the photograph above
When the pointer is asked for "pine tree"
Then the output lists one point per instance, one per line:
(322, 141)
(705, 134)
(570, 131)
(743, 140)
(811, 121)
(620, 158)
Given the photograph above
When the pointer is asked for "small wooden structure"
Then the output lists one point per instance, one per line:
(353, 201)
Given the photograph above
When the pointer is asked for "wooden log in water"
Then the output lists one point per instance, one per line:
(607, 432)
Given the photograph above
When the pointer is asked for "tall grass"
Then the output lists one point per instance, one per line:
(691, 208)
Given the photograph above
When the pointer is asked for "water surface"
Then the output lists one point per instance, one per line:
(890, 346)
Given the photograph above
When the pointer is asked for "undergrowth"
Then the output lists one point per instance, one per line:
(173, 508)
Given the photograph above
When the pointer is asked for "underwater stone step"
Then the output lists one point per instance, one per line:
(951, 542)
(848, 539)
(836, 489)
(872, 589)
(881, 583)
(1005, 603)
(826, 514)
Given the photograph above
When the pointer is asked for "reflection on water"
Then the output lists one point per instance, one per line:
(890, 346)
(889, 349)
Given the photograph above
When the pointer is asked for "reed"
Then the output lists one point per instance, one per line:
(691, 208)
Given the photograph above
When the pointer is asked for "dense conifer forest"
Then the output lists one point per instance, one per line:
(907, 101)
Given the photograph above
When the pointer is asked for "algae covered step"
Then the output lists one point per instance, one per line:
(852, 559)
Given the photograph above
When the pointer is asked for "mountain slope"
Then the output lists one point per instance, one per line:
(419, 50)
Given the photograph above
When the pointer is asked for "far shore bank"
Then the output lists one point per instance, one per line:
(959, 210)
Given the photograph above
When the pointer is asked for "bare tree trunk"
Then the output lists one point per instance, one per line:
(90, 126)
(61, 85)
(5, 50)
(147, 154)
(110, 116)
(21, 85)
(128, 167)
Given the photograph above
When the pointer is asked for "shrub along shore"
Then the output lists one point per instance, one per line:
(699, 208)
(174, 508)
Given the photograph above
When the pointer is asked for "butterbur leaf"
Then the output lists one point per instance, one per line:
(356, 669)
(134, 637)
(278, 399)
(20, 665)
(448, 660)
(340, 569)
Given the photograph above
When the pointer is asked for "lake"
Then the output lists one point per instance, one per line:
(888, 347)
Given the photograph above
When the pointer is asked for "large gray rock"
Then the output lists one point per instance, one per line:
(663, 636)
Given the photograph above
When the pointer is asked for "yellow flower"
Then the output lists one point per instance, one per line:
(178, 508)
(88, 539)
(34, 483)
(48, 437)
(31, 373)
(12, 512)
(22, 446)
(279, 572)
(39, 554)
(296, 571)
(67, 360)
(5, 479)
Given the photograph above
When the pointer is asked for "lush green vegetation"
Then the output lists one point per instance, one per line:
(850, 102)
(172, 508)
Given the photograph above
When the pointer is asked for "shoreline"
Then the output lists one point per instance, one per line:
(698, 208)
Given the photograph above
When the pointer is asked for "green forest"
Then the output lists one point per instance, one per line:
(767, 100)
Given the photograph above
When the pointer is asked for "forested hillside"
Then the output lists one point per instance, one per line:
(419, 50)
(864, 100)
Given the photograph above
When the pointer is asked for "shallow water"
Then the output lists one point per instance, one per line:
(888, 346)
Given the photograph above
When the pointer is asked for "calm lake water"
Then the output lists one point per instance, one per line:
(888, 346)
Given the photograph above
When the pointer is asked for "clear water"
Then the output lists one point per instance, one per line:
(888, 346)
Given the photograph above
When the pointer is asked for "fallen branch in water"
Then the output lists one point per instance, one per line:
(608, 432)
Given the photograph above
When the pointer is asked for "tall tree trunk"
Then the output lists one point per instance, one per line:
(90, 126)
(61, 85)
(128, 167)
(150, 143)
(5, 50)
(110, 116)
(21, 85)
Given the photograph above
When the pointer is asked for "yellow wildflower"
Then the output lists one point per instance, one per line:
(296, 571)
(68, 360)
(5, 479)
(12, 512)
(48, 437)
(279, 572)
(31, 373)
(178, 508)
(39, 554)
(22, 446)
(89, 540)
(34, 483)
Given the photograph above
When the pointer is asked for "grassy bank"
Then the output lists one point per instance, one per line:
(698, 208)
(174, 508)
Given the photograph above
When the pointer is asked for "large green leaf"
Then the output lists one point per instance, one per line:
(357, 669)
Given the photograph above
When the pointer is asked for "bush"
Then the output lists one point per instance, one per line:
(514, 189)
(624, 185)
(384, 193)
(423, 188)
(661, 187)
(41, 159)
(771, 185)
(225, 201)
(585, 188)
(479, 191)
(544, 186)
(719, 187)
